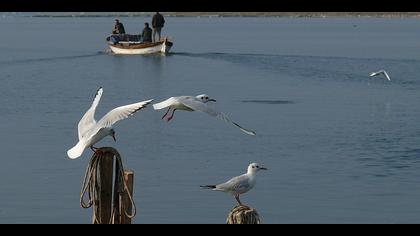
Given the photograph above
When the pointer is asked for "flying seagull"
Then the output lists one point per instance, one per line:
(91, 132)
(239, 184)
(190, 103)
(379, 73)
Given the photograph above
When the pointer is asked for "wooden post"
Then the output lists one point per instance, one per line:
(109, 194)
(243, 215)
(117, 192)
(105, 202)
(125, 203)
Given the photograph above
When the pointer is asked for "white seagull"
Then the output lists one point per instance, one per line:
(198, 103)
(239, 184)
(379, 73)
(91, 132)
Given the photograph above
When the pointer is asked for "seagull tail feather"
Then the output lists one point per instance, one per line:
(208, 186)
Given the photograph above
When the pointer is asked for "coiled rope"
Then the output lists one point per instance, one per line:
(92, 186)
(242, 214)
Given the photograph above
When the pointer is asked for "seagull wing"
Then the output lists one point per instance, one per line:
(197, 105)
(167, 103)
(118, 114)
(386, 75)
(88, 119)
(236, 184)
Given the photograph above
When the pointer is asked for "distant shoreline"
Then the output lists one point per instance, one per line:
(233, 14)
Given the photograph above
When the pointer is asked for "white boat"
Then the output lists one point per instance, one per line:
(130, 47)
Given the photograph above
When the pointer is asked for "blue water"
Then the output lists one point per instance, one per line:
(340, 147)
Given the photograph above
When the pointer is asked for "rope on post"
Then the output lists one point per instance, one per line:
(98, 173)
(241, 214)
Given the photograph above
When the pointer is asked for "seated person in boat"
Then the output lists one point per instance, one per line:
(146, 35)
(118, 27)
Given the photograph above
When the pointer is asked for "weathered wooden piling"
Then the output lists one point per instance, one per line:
(106, 166)
(112, 203)
(125, 202)
(242, 214)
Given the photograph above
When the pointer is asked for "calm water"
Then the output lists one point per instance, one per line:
(340, 147)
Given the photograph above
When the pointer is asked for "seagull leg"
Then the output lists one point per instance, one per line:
(172, 115)
(166, 113)
(96, 150)
(237, 199)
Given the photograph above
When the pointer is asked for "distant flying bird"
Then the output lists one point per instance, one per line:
(379, 73)
(240, 184)
(198, 103)
(91, 132)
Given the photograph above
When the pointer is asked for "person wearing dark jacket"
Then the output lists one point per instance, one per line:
(118, 27)
(146, 35)
(157, 24)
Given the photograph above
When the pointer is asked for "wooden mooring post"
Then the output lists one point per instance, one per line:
(125, 201)
(109, 194)
(242, 214)
(106, 166)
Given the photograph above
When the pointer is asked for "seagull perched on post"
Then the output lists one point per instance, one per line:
(190, 103)
(91, 132)
(383, 72)
(239, 184)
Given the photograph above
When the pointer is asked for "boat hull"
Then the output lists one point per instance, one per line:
(143, 48)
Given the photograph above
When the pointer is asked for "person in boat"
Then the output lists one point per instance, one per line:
(157, 24)
(146, 35)
(118, 27)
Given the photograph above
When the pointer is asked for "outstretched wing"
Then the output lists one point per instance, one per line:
(197, 105)
(161, 105)
(121, 113)
(386, 75)
(88, 119)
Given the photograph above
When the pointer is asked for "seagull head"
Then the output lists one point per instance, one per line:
(112, 133)
(255, 167)
(205, 98)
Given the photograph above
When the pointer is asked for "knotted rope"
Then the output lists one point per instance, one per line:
(92, 186)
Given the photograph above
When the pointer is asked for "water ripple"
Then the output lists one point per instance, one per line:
(273, 102)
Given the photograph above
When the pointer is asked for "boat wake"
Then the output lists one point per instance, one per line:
(48, 59)
(318, 68)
